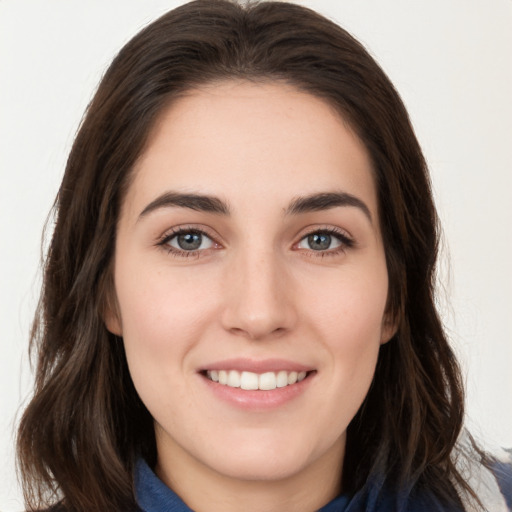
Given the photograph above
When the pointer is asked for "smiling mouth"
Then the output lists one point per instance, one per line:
(255, 381)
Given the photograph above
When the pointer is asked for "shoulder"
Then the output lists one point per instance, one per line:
(492, 481)
(501, 467)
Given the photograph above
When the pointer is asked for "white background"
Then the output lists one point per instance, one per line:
(450, 59)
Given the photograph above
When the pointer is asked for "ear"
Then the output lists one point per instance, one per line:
(109, 307)
(389, 327)
(113, 321)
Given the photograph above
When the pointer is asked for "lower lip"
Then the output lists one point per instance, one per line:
(258, 400)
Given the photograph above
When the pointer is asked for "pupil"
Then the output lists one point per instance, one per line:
(319, 241)
(189, 241)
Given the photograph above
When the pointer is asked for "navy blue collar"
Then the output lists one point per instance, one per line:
(154, 496)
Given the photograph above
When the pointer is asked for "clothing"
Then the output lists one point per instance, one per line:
(154, 496)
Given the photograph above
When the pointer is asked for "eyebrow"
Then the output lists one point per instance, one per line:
(211, 204)
(326, 201)
(199, 202)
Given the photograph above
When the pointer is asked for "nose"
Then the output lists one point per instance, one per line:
(258, 297)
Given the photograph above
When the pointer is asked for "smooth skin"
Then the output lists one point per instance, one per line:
(257, 279)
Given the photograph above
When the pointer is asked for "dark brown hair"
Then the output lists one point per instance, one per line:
(85, 425)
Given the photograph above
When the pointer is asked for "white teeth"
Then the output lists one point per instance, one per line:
(282, 379)
(267, 381)
(233, 379)
(251, 381)
(292, 377)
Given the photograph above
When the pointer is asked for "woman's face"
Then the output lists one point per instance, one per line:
(251, 282)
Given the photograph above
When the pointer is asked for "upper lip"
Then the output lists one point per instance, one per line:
(258, 366)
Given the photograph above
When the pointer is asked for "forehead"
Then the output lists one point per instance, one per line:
(264, 140)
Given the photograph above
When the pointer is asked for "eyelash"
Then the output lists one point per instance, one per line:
(175, 232)
(345, 242)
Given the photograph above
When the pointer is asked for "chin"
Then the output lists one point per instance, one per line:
(261, 467)
(272, 458)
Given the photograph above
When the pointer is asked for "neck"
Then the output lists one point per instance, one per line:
(204, 489)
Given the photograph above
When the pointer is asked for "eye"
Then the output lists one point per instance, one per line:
(188, 241)
(325, 240)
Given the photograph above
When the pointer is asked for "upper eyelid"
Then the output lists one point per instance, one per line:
(335, 230)
(176, 230)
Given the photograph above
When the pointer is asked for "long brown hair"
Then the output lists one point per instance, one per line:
(85, 425)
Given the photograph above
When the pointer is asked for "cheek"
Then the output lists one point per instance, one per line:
(351, 307)
(160, 310)
(350, 321)
(162, 317)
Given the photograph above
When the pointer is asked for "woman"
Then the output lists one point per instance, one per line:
(238, 301)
